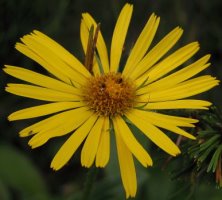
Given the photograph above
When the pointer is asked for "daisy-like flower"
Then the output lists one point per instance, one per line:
(90, 101)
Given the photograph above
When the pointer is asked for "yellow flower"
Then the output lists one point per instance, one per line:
(101, 97)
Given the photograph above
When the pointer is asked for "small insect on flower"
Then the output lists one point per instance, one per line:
(86, 100)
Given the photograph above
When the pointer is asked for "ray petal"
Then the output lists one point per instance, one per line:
(127, 168)
(103, 153)
(42, 110)
(178, 76)
(91, 144)
(177, 104)
(40, 93)
(39, 79)
(61, 52)
(172, 61)
(47, 54)
(167, 122)
(73, 142)
(119, 36)
(169, 119)
(58, 130)
(51, 69)
(153, 133)
(130, 141)
(57, 120)
(84, 35)
(183, 90)
(156, 53)
(143, 43)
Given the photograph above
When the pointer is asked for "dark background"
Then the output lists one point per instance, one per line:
(25, 173)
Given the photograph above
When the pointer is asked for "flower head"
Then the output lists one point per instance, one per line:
(88, 100)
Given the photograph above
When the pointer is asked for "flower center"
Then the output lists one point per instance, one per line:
(109, 94)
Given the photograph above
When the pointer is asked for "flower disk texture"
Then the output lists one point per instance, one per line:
(148, 83)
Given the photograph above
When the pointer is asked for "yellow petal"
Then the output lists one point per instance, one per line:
(61, 52)
(53, 59)
(178, 76)
(179, 131)
(42, 110)
(157, 52)
(84, 35)
(119, 36)
(130, 141)
(43, 136)
(39, 79)
(91, 144)
(182, 90)
(178, 104)
(31, 54)
(100, 45)
(142, 44)
(103, 153)
(171, 62)
(127, 168)
(59, 120)
(58, 130)
(40, 93)
(168, 119)
(182, 74)
(153, 133)
(167, 122)
(73, 142)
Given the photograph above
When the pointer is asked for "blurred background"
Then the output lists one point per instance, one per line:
(24, 173)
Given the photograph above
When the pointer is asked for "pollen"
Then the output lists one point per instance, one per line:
(109, 94)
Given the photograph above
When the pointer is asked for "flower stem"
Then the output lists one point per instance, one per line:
(90, 178)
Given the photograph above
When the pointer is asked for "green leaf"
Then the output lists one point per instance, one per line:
(17, 172)
(209, 142)
(194, 150)
(213, 163)
(206, 133)
(207, 152)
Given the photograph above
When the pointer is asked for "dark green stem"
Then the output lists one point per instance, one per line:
(90, 178)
